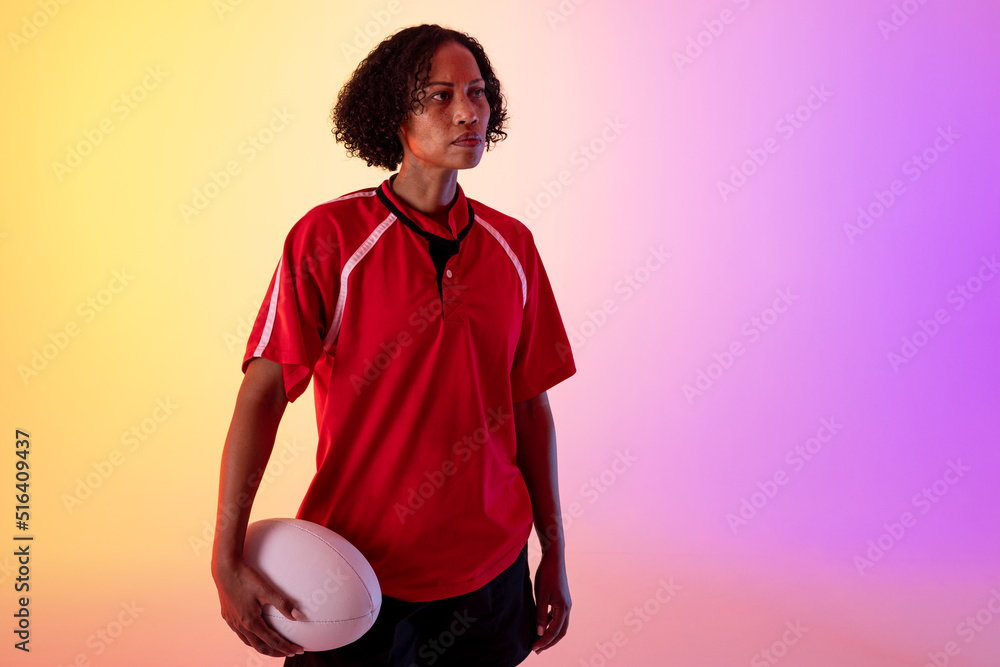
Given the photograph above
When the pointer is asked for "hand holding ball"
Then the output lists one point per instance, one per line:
(324, 575)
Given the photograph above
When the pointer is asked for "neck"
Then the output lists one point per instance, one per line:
(430, 192)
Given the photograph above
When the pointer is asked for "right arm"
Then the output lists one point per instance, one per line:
(242, 591)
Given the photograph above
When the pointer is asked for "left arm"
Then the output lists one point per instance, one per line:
(536, 457)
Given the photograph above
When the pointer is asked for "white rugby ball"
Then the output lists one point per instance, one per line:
(327, 578)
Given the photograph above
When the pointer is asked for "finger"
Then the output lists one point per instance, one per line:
(541, 625)
(274, 645)
(555, 630)
(261, 647)
(563, 627)
(267, 594)
(542, 614)
(255, 631)
(256, 644)
(275, 641)
(285, 606)
(543, 618)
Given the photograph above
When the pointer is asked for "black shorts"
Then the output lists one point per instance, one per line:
(490, 627)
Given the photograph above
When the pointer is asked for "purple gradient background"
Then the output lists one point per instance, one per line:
(826, 357)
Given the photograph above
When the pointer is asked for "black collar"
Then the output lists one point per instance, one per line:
(440, 248)
(432, 239)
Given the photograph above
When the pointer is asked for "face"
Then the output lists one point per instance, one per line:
(455, 105)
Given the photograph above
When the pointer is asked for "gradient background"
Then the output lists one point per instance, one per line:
(671, 132)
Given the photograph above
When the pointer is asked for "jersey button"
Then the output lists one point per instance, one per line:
(448, 273)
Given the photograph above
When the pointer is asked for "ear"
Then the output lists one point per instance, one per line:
(403, 143)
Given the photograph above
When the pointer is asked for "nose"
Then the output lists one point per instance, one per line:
(465, 114)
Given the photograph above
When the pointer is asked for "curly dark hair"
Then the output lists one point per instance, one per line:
(388, 85)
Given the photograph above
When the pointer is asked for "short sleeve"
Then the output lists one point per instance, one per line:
(293, 319)
(543, 357)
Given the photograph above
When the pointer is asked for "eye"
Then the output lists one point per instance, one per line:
(440, 92)
(479, 92)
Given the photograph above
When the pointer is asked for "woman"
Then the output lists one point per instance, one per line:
(428, 325)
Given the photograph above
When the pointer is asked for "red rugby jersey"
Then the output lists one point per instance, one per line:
(418, 338)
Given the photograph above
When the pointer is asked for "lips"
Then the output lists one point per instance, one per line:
(469, 139)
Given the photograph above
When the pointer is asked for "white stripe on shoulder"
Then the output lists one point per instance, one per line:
(338, 313)
(363, 193)
(510, 253)
(272, 309)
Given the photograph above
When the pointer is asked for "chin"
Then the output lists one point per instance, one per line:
(466, 161)
(471, 162)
